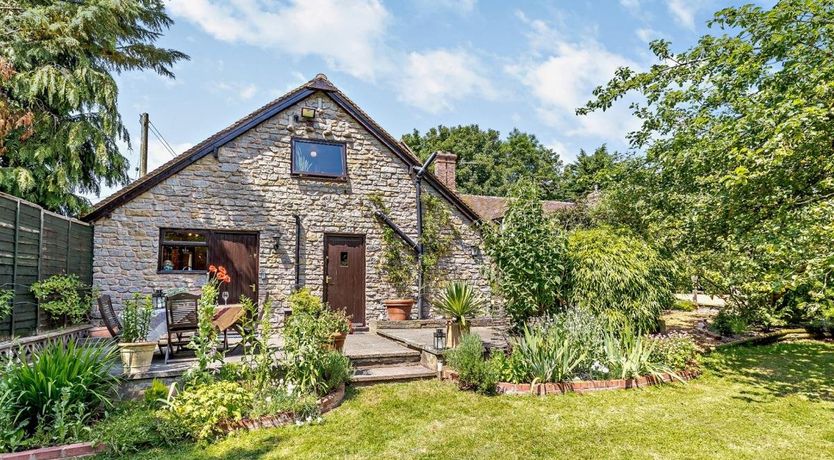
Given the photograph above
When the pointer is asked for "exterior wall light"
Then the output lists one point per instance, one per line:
(158, 299)
(308, 113)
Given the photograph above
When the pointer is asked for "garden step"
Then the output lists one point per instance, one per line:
(398, 358)
(390, 374)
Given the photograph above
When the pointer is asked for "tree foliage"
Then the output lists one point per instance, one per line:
(489, 165)
(59, 120)
(528, 254)
(589, 172)
(739, 168)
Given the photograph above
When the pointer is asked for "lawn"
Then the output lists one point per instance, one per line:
(773, 401)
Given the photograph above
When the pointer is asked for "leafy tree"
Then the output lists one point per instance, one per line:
(737, 133)
(489, 165)
(59, 121)
(589, 172)
(528, 254)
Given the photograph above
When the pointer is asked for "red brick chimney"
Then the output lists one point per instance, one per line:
(444, 169)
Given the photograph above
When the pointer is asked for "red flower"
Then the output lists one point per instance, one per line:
(212, 268)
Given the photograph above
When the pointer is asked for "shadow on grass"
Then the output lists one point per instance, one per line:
(803, 368)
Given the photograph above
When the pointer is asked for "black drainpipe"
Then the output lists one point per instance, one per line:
(297, 251)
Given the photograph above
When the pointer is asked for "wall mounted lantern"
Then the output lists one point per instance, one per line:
(158, 299)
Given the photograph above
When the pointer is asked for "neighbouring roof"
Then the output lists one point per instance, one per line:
(210, 145)
(494, 207)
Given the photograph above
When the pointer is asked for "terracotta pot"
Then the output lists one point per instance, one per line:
(99, 332)
(454, 331)
(337, 341)
(398, 309)
(136, 357)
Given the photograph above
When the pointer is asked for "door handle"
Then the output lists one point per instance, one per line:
(253, 287)
(328, 280)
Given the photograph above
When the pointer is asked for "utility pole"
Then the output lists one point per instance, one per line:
(143, 146)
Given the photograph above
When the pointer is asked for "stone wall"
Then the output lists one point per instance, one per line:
(248, 187)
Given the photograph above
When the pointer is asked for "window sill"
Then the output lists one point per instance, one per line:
(319, 177)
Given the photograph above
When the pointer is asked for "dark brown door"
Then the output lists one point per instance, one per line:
(344, 277)
(238, 252)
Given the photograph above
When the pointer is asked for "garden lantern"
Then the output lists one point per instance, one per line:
(158, 299)
(439, 339)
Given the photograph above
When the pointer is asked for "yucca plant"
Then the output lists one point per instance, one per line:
(459, 301)
(84, 371)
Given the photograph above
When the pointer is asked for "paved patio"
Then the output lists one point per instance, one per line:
(423, 338)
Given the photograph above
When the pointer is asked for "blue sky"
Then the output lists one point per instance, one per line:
(408, 64)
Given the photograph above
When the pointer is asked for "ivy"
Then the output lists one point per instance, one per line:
(398, 262)
(6, 298)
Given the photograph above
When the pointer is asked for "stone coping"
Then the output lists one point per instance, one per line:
(82, 449)
(585, 386)
(434, 323)
(326, 403)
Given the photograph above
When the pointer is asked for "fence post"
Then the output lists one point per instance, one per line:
(40, 258)
(14, 266)
(69, 241)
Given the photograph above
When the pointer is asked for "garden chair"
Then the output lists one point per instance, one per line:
(108, 315)
(181, 319)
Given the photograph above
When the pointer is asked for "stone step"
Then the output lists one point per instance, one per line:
(391, 374)
(398, 358)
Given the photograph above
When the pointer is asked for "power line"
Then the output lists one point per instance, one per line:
(161, 138)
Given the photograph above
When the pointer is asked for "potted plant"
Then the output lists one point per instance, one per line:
(136, 351)
(458, 302)
(339, 323)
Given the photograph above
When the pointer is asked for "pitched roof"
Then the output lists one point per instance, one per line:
(210, 146)
(494, 207)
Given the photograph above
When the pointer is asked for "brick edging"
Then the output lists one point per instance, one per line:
(81, 449)
(326, 403)
(585, 386)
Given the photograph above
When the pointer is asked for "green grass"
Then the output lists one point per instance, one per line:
(774, 401)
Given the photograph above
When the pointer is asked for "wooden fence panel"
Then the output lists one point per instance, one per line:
(34, 245)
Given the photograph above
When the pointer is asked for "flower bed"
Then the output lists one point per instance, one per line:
(82, 449)
(584, 386)
(325, 403)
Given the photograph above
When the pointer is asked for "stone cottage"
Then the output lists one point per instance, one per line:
(282, 198)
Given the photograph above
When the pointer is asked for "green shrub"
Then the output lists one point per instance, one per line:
(474, 372)
(277, 400)
(12, 429)
(728, 323)
(618, 277)
(134, 427)
(63, 297)
(6, 305)
(528, 251)
(156, 394)
(630, 355)
(546, 357)
(820, 328)
(72, 375)
(201, 408)
(684, 305)
(674, 351)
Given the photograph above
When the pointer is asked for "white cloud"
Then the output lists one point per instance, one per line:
(347, 34)
(647, 34)
(460, 6)
(561, 77)
(435, 80)
(684, 12)
(632, 5)
(239, 91)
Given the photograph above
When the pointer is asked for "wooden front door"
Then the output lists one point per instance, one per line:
(238, 252)
(344, 276)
